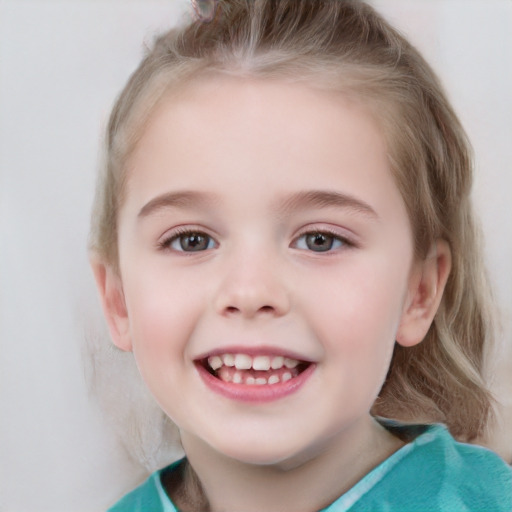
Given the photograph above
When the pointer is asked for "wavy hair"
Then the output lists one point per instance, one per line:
(346, 46)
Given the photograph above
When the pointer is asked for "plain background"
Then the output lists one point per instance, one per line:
(61, 65)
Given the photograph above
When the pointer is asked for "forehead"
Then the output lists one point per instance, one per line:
(258, 135)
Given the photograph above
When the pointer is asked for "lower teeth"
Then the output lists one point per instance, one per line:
(254, 378)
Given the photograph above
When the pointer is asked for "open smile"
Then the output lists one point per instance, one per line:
(253, 378)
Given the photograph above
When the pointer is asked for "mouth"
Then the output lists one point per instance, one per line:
(260, 370)
(259, 377)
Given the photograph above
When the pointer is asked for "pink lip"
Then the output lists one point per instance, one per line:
(255, 394)
(253, 351)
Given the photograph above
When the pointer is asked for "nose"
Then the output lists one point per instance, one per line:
(252, 286)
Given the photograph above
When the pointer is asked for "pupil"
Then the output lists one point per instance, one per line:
(319, 242)
(193, 242)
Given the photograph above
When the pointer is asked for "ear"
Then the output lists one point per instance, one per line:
(426, 286)
(111, 294)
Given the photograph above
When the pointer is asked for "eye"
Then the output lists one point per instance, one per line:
(319, 241)
(189, 241)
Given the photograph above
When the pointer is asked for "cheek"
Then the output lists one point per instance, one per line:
(355, 316)
(163, 311)
(363, 298)
(163, 316)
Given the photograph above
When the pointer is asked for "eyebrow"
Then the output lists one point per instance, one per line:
(299, 201)
(325, 199)
(183, 199)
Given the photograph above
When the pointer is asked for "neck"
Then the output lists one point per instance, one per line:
(310, 482)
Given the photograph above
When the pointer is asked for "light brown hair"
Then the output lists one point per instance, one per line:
(347, 46)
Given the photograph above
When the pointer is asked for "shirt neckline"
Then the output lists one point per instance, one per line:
(414, 435)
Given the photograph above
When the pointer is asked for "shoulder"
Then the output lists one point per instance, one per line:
(143, 498)
(436, 473)
(147, 497)
(455, 476)
(477, 476)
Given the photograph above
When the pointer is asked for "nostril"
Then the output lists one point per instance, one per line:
(262, 309)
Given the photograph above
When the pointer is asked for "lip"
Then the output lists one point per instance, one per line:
(255, 394)
(254, 351)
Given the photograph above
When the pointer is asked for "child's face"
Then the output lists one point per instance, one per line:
(262, 219)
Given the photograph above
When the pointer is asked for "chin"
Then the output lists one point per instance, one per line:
(261, 453)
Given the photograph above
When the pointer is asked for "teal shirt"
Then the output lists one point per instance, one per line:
(431, 473)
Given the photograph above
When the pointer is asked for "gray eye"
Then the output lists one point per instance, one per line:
(319, 242)
(192, 242)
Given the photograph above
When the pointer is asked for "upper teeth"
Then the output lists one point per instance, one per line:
(246, 362)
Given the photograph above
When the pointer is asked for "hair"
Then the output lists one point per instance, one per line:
(346, 46)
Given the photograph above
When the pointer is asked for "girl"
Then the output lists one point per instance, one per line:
(283, 236)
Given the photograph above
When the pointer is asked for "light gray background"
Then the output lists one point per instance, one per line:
(61, 65)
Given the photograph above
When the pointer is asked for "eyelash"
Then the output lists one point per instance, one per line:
(344, 242)
(167, 242)
(179, 233)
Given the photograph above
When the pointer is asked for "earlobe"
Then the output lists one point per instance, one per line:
(111, 294)
(426, 287)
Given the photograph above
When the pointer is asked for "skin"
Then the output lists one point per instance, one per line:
(247, 153)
